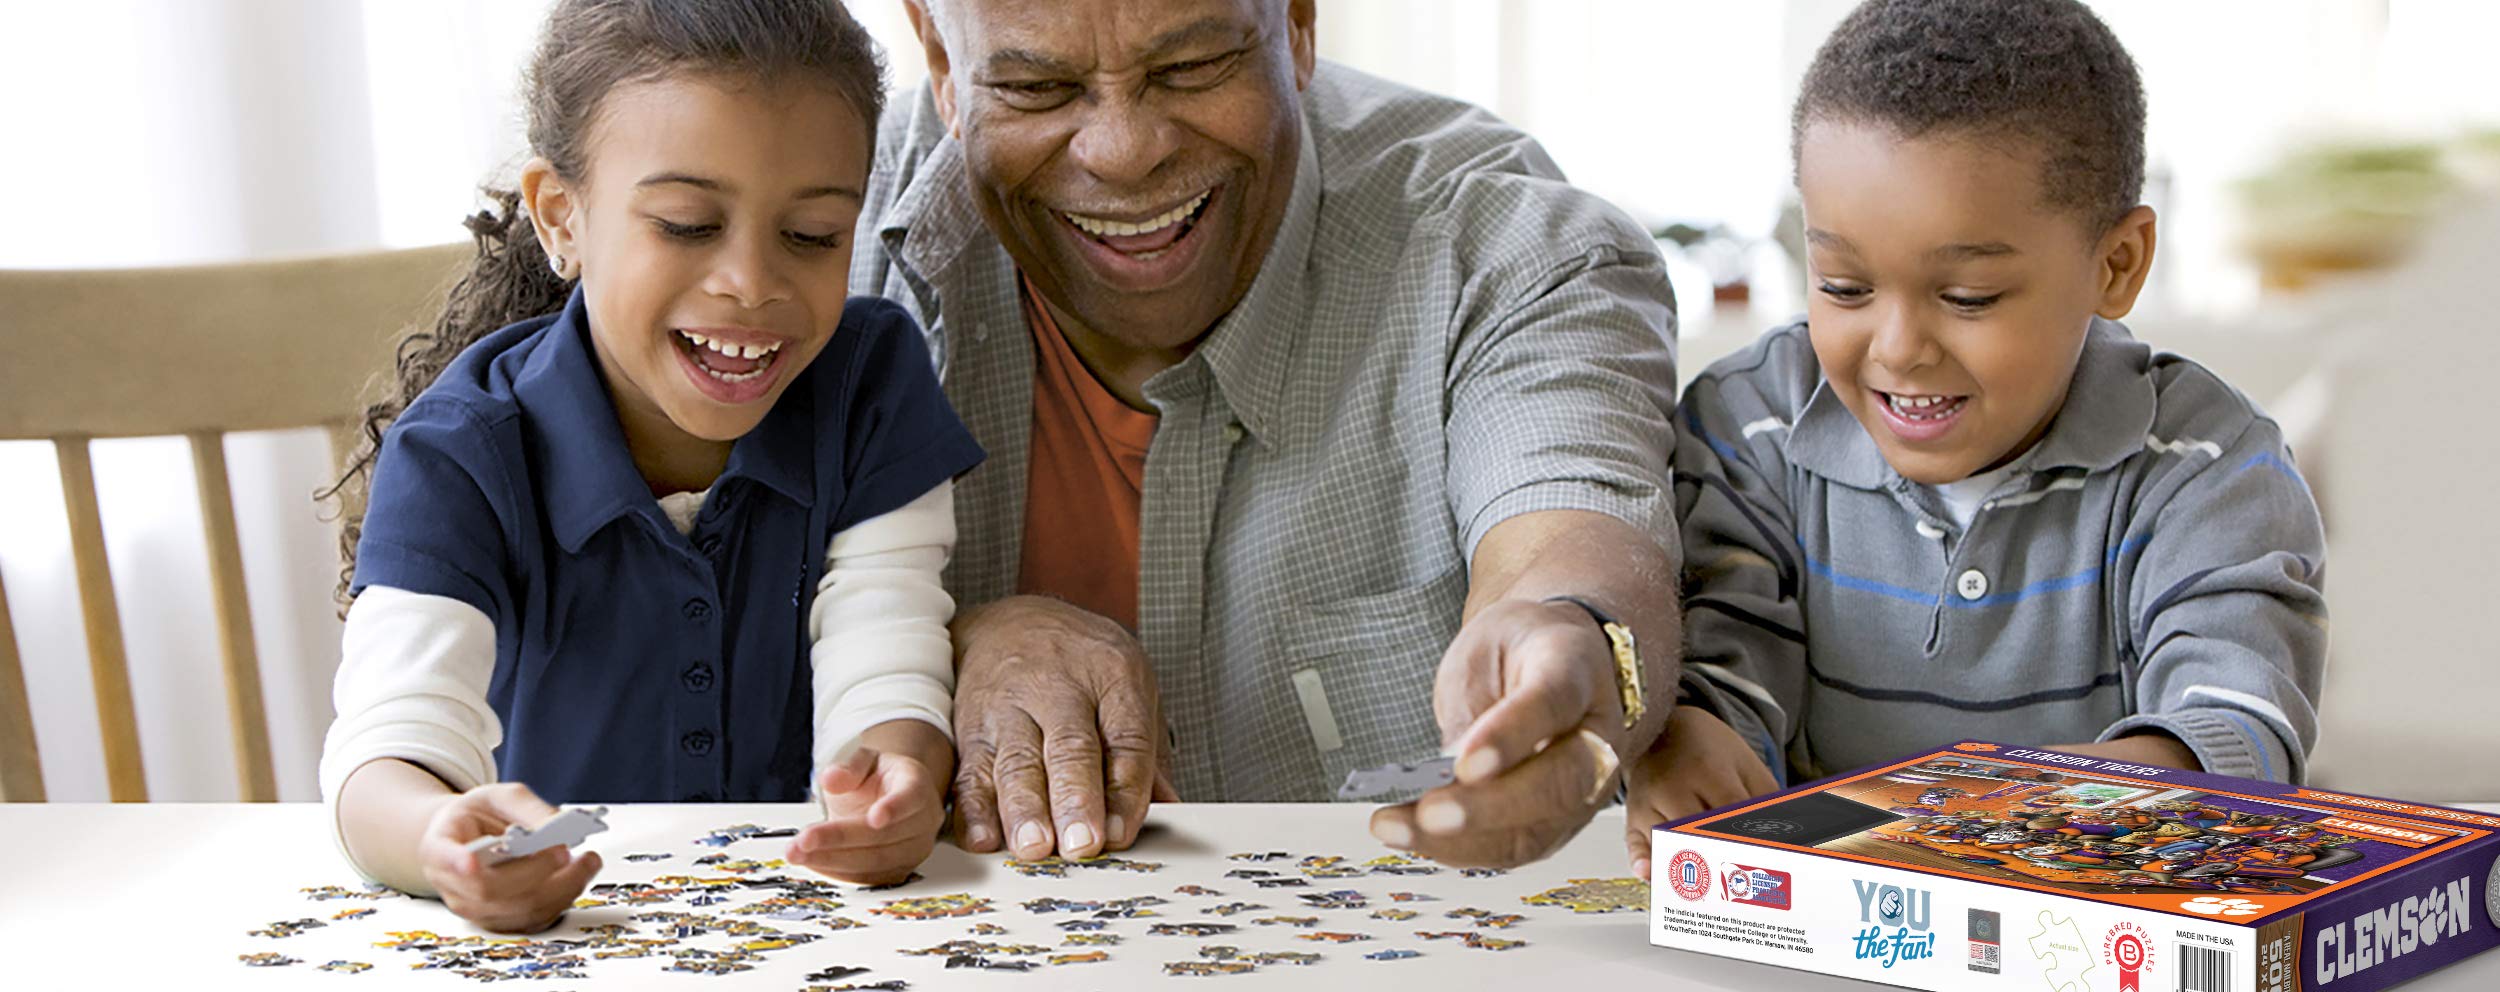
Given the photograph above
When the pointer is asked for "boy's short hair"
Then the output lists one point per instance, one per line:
(2045, 71)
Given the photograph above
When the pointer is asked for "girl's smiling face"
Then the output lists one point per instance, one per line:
(1948, 298)
(712, 232)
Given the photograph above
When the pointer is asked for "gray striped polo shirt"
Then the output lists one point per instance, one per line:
(2155, 563)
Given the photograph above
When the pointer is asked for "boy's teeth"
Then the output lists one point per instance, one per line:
(1115, 229)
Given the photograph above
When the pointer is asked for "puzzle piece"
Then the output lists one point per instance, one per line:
(1399, 776)
(1596, 895)
(568, 827)
(2060, 943)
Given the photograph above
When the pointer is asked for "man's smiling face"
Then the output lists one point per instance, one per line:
(1133, 156)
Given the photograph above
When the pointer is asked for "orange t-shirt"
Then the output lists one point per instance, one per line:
(1085, 482)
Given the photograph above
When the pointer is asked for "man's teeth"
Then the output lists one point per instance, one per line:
(1101, 228)
(728, 350)
(1922, 407)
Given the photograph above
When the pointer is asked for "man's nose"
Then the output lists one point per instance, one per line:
(1123, 141)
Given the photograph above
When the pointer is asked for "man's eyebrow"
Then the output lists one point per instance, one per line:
(1203, 30)
(1967, 252)
(1009, 59)
(1211, 29)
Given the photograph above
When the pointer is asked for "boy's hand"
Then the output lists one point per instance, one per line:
(524, 895)
(1699, 763)
(882, 814)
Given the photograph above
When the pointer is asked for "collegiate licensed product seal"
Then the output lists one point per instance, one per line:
(1689, 875)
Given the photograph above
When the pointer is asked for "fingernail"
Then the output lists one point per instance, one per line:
(977, 837)
(1394, 833)
(1028, 837)
(1479, 764)
(1640, 868)
(1441, 816)
(1076, 837)
(1119, 829)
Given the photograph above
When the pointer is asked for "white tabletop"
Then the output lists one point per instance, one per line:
(162, 896)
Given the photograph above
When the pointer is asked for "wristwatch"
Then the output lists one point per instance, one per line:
(1628, 676)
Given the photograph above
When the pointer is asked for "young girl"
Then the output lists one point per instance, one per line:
(674, 533)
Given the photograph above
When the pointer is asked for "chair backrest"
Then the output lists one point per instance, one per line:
(194, 351)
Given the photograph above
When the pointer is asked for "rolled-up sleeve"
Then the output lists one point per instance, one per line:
(1565, 400)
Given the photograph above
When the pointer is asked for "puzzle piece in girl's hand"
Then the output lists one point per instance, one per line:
(568, 827)
(1399, 776)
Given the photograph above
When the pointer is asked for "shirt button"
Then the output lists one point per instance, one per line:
(1233, 433)
(697, 743)
(697, 609)
(1971, 585)
(698, 677)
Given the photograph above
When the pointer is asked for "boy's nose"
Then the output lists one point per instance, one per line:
(1902, 343)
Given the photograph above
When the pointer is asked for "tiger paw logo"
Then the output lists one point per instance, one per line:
(2216, 906)
(1974, 746)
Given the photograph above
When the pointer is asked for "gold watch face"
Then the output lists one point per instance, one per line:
(1628, 673)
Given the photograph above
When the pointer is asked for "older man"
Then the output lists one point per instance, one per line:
(1327, 428)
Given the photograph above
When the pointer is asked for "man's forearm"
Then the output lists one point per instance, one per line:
(1612, 564)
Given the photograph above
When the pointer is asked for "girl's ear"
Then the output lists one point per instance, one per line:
(555, 214)
(2125, 258)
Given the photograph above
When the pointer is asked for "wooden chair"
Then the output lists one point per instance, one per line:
(194, 351)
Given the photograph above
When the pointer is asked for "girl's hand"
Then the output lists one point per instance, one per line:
(524, 895)
(1699, 763)
(882, 814)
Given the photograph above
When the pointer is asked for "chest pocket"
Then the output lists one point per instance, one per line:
(1361, 671)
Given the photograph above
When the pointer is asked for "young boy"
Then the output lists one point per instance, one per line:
(1960, 500)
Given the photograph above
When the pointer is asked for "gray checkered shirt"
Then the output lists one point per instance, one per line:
(1444, 335)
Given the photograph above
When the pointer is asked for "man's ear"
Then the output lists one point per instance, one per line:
(924, 23)
(1302, 29)
(2124, 259)
(555, 213)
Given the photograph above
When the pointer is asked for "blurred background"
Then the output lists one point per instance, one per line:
(2301, 153)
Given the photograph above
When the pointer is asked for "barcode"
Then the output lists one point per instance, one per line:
(2204, 969)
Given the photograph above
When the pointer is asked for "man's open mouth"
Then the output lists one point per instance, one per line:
(1144, 239)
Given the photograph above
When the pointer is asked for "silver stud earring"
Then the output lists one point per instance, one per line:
(555, 263)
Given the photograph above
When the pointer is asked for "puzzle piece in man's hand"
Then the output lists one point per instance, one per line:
(1399, 776)
(567, 828)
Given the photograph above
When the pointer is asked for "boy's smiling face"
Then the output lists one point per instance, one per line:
(1948, 298)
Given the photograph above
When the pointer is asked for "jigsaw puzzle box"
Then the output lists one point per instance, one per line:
(1984, 866)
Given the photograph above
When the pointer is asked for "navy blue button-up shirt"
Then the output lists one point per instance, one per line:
(633, 663)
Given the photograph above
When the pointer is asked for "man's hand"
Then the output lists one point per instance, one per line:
(524, 895)
(1699, 763)
(1059, 729)
(884, 801)
(1526, 698)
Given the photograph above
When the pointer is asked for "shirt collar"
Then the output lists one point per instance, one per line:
(1251, 348)
(587, 476)
(2108, 411)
